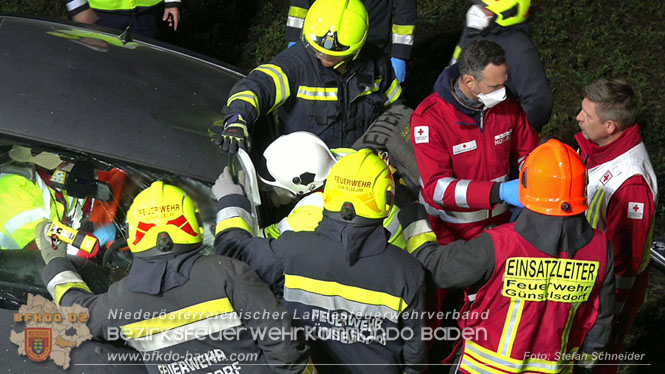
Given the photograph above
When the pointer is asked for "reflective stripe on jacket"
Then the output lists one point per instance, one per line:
(309, 97)
(540, 308)
(344, 283)
(214, 320)
(462, 152)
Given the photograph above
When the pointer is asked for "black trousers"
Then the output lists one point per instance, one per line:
(141, 21)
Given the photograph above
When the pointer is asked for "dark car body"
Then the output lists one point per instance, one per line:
(91, 94)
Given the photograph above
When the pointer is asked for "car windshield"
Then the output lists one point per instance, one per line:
(28, 177)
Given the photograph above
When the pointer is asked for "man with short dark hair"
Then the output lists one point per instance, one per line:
(464, 135)
(622, 193)
(505, 22)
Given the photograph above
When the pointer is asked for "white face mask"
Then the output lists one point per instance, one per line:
(493, 98)
(476, 18)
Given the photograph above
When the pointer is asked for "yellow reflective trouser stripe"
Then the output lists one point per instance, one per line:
(482, 356)
(61, 290)
(357, 294)
(246, 96)
(295, 11)
(177, 318)
(121, 4)
(233, 223)
(317, 93)
(393, 92)
(281, 81)
(510, 327)
(456, 52)
(593, 213)
(569, 325)
(403, 29)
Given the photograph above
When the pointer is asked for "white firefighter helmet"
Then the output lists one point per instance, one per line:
(298, 162)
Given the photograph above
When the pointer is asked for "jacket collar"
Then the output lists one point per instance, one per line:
(595, 155)
(358, 241)
(553, 235)
(155, 275)
(444, 86)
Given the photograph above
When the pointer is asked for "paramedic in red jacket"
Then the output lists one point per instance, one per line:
(464, 135)
(622, 193)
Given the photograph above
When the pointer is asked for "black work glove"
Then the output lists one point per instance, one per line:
(230, 135)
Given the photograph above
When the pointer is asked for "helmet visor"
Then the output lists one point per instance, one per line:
(329, 42)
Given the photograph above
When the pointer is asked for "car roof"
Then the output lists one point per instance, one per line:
(83, 88)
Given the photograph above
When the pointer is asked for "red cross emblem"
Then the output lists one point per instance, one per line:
(420, 131)
(606, 177)
(636, 208)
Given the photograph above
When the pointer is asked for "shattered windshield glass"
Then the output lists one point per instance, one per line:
(84, 192)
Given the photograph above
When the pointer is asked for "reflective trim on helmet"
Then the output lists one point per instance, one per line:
(295, 22)
(317, 93)
(403, 39)
(281, 81)
(297, 12)
(63, 282)
(461, 189)
(25, 218)
(393, 92)
(246, 96)
(332, 295)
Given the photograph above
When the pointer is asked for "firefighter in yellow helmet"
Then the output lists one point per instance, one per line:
(346, 284)
(330, 83)
(298, 165)
(176, 302)
(505, 22)
(520, 274)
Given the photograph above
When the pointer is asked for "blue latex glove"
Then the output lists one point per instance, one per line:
(510, 192)
(291, 44)
(399, 66)
(105, 234)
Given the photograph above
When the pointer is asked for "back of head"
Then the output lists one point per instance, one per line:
(553, 180)
(508, 12)
(477, 55)
(336, 27)
(615, 99)
(162, 219)
(298, 162)
(360, 189)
